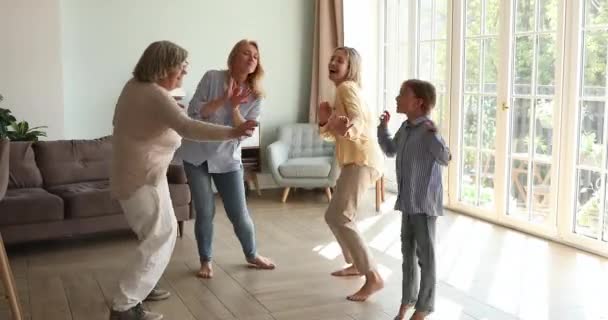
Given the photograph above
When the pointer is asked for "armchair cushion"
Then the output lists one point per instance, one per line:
(309, 167)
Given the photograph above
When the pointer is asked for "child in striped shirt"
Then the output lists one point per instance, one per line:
(421, 152)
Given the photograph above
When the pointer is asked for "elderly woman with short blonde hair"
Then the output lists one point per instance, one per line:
(148, 127)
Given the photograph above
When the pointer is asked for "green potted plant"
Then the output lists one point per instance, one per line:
(21, 131)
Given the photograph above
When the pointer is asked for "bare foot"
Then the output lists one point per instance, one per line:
(206, 271)
(419, 315)
(347, 272)
(402, 311)
(260, 262)
(373, 283)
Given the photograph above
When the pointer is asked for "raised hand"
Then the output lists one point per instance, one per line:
(324, 112)
(239, 97)
(245, 129)
(235, 94)
(385, 117)
(430, 126)
(340, 125)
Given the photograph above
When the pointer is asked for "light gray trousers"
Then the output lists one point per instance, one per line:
(418, 247)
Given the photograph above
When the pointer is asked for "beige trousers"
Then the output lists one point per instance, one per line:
(353, 183)
(149, 212)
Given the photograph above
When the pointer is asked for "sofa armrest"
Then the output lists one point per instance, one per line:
(176, 174)
(278, 153)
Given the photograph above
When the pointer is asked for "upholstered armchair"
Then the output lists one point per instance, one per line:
(302, 159)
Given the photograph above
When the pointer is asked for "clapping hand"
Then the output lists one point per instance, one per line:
(340, 125)
(324, 112)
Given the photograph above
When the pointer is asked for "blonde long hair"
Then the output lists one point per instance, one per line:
(254, 79)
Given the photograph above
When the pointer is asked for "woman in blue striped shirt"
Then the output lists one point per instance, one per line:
(228, 97)
(420, 152)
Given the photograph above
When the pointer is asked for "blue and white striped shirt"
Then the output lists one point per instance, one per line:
(221, 156)
(420, 155)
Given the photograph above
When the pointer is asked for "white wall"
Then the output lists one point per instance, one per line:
(102, 41)
(30, 63)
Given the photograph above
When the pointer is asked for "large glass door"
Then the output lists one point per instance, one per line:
(478, 104)
(534, 115)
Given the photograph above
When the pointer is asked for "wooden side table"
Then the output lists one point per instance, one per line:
(250, 156)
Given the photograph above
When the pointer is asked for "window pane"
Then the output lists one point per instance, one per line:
(548, 15)
(591, 135)
(605, 233)
(439, 65)
(425, 19)
(541, 190)
(486, 190)
(472, 56)
(468, 180)
(545, 70)
(544, 129)
(441, 18)
(437, 112)
(490, 65)
(523, 65)
(588, 204)
(492, 18)
(425, 60)
(488, 130)
(595, 12)
(473, 12)
(524, 15)
(471, 113)
(595, 55)
(520, 132)
(518, 197)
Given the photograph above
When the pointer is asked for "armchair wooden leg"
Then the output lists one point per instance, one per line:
(328, 193)
(180, 229)
(379, 194)
(382, 187)
(9, 283)
(285, 194)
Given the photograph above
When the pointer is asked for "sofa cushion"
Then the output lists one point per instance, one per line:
(71, 161)
(30, 205)
(23, 170)
(180, 194)
(312, 167)
(87, 199)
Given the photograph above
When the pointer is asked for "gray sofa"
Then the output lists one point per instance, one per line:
(60, 189)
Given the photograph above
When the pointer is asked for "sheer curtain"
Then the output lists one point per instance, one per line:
(329, 34)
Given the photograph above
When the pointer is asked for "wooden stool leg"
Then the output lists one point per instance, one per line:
(9, 283)
(256, 183)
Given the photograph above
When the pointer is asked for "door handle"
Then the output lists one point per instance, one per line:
(505, 107)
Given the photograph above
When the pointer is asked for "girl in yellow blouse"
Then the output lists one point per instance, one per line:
(351, 125)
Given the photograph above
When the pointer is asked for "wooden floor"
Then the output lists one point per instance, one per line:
(485, 272)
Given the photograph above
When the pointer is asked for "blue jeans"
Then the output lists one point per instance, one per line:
(231, 188)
